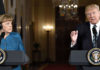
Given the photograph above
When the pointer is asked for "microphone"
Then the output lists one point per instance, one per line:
(2, 36)
(2, 33)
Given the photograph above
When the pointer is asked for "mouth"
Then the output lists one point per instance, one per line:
(92, 18)
(10, 29)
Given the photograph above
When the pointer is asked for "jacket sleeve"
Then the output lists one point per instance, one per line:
(77, 46)
(20, 43)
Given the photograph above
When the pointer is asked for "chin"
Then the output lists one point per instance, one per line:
(9, 31)
(93, 22)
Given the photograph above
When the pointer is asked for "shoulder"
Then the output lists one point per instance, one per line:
(83, 26)
(15, 34)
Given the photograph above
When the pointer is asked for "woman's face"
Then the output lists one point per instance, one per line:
(7, 26)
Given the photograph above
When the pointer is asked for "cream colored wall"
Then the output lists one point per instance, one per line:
(38, 13)
(27, 21)
(8, 8)
(44, 14)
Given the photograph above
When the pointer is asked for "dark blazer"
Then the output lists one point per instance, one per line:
(84, 41)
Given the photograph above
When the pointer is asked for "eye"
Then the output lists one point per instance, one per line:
(88, 14)
(7, 23)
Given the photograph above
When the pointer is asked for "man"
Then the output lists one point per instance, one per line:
(87, 34)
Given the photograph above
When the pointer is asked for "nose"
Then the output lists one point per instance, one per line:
(91, 15)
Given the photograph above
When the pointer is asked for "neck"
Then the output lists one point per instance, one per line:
(6, 34)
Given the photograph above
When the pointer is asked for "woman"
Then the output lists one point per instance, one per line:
(11, 40)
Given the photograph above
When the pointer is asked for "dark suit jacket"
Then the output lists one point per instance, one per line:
(84, 41)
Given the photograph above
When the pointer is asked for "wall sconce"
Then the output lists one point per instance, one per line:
(19, 28)
(48, 28)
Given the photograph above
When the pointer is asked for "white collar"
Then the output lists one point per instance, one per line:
(98, 25)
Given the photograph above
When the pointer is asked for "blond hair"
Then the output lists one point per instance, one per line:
(92, 6)
(5, 17)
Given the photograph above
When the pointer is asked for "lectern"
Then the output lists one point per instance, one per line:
(79, 58)
(13, 58)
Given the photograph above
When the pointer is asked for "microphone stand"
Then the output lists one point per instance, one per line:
(2, 36)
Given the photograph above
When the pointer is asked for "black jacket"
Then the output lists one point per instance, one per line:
(84, 40)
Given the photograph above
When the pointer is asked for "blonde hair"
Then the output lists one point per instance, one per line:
(5, 17)
(92, 6)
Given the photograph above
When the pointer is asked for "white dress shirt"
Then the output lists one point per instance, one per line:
(97, 28)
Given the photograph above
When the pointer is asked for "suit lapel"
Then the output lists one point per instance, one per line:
(98, 40)
(89, 35)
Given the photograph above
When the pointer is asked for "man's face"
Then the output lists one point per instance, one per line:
(7, 26)
(93, 15)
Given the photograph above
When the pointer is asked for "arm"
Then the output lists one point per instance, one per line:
(76, 38)
(74, 35)
(20, 45)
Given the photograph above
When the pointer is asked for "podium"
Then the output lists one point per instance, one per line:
(79, 58)
(13, 58)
